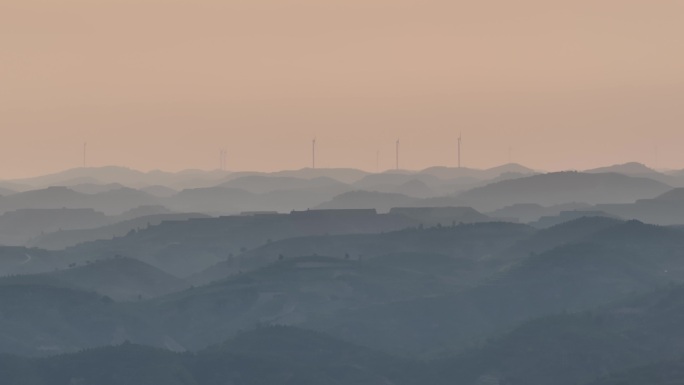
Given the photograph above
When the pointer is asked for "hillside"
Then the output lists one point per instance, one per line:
(571, 278)
(260, 184)
(18, 227)
(662, 373)
(290, 291)
(380, 201)
(465, 242)
(263, 356)
(617, 344)
(665, 209)
(122, 279)
(563, 187)
(186, 247)
(565, 233)
(464, 172)
(39, 320)
(110, 202)
(66, 238)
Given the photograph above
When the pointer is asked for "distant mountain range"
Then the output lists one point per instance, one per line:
(337, 276)
(50, 216)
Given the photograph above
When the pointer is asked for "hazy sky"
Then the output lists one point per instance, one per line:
(163, 84)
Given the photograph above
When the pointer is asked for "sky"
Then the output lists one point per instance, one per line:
(166, 84)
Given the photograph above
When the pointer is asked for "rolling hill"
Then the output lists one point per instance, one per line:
(563, 187)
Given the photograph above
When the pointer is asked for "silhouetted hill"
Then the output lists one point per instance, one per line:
(142, 211)
(570, 278)
(662, 373)
(41, 319)
(463, 172)
(469, 242)
(261, 357)
(344, 175)
(122, 279)
(289, 292)
(223, 200)
(665, 209)
(337, 362)
(638, 170)
(663, 244)
(18, 227)
(6, 191)
(383, 202)
(124, 176)
(530, 212)
(413, 185)
(52, 197)
(110, 202)
(459, 271)
(22, 260)
(260, 184)
(413, 292)
(211, 200)
(674, 195)
(564, 349)
(66, 238)
(123, 364)
(13, 187)
(121, 200)
(567, 216)
(415, 188)
(93, 188)
(631, 168)
(183, 248)
(515, 168)
(612, 342)
(441, 216)
(105, 175)
(159, 191)
(566, 233)
(563, 187)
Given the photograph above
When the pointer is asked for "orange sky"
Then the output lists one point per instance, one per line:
(163, 84)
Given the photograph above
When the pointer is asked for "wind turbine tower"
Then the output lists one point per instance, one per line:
(459, 150)
(313, 153)
(397, 154)
(85, 146)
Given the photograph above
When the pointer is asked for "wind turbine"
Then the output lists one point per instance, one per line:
(459, 150)
(313, 153)
(397, 154)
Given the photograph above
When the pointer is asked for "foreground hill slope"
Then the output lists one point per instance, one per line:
(569, 278)
(39, 319)
(291, 292)
(264, 356)
(581, 348)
